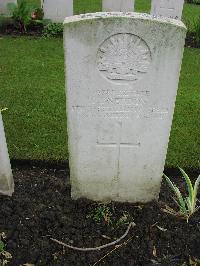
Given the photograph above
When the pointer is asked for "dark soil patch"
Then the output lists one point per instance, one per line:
(41, 208)
(191, 40)
(11, 30)
(37, 31)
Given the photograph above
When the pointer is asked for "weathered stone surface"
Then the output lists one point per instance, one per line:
(122, 73)
(57, 10)
(118, 5)
(3, 6)
(167, 8)
(6, 179)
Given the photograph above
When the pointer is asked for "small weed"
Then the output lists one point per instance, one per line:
(4, 255)
(124, 219)
(104, 214)
(101, 214)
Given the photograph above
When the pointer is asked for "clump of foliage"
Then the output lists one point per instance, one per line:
(101, 214)
(187, 205)
(37, 14)
(4, 255)
(53, 29)
(24, 14)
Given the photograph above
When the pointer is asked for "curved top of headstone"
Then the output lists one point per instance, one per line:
(133, 15)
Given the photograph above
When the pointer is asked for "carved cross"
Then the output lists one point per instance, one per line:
(119, 143)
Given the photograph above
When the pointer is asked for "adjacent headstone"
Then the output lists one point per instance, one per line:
(57, 10)
(118, 5)
(122, 73)
(6, 179)
(167, 8)
(3, 6)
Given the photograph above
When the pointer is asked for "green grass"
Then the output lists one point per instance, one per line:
(190, 11)
(184, 146)
(32, 87)
(32, 2)
(86, 6)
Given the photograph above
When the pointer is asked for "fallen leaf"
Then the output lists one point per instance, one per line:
(27, 264)
(161, 228)
(106, 237)
(3, 109)
(154, 251)
(6, 254)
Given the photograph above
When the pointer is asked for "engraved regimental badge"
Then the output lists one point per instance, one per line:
(123, 57)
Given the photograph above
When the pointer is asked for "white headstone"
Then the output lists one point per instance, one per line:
(57, 10)
(6, 179)
(167, 8)
(3, 6)
(122, 73)
(118, 5)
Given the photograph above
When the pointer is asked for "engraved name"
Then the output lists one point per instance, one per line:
(121, 104)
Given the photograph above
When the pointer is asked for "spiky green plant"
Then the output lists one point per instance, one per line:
(187, 205)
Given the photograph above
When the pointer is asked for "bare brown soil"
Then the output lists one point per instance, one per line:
(41, 208)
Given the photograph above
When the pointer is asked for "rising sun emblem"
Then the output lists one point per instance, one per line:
(123, 57)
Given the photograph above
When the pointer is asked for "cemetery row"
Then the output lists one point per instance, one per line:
(58, 10)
